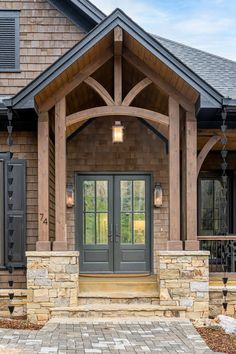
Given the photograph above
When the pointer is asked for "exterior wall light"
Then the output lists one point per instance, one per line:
(158, 195)
(70, 196)
(117, 133)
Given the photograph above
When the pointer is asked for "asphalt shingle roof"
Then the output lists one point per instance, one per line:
(218, 72)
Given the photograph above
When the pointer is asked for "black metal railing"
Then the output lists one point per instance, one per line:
(222, 254)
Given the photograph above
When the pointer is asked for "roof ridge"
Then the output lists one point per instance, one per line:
(199, 50)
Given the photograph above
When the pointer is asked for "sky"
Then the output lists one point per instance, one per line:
(209, 25)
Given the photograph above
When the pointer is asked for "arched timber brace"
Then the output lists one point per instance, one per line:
(205, 151)
(103, 93)
(135, 91)
(106, 111)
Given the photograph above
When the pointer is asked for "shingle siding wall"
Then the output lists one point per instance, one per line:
(45, 34)
(25, 147)
(93, 151)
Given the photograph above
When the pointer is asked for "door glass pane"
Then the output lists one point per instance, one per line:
(102, 195)
(89, 195)
(126, 228)
(89, 228)
(139, 228)
(126, 195)
(139, 196)
(102, 228)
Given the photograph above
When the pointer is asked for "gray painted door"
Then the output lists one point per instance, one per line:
(113, 223)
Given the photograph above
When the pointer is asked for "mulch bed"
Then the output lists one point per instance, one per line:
(18, 324)
(218, 340)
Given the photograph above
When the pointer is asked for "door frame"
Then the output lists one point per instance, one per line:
(150, 207)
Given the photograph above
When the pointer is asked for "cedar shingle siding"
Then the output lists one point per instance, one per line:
(45, 34)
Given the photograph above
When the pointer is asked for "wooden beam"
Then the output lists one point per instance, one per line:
(174, 242)
(205, 151)
(43, 243)
(106, 111)
(60, 243)
(103, 93)
(158, 80)
(75, 81)
(135, 91)
(118, 46)
(191, 243)
(118, 40)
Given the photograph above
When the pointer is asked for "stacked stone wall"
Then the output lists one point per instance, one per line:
(184, 281)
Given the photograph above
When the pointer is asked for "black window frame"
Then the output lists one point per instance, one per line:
(16, 15)
(216, 175)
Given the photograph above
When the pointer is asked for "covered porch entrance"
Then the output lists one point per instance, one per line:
(113, 222)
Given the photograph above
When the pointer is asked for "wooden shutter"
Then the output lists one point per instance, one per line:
(9, 40)
(1, 212)
(15, 216)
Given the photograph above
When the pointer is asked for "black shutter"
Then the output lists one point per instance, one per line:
(9, 40)
(15, 216)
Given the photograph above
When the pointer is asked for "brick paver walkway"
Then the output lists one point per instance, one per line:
(105, 336)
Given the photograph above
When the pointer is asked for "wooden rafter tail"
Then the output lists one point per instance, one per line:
(103, 93)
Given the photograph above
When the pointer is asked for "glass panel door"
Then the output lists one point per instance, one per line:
(113, 223)
(132, 223)
(95, 214)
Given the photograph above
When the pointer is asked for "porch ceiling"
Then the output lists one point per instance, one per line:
(137, 63)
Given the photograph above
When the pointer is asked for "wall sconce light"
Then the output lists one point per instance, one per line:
(158, 195)
(70, 196)
(117, 133)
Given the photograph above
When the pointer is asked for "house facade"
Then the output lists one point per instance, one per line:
(117, 166)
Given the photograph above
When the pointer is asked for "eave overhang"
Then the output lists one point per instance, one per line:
(25, 98)
(81, 12)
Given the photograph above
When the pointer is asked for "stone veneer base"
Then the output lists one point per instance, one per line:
(52, 281)
(183, 278)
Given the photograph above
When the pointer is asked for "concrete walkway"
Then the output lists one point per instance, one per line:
(105, 336)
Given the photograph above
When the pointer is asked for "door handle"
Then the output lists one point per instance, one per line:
(117, 235)
(110, 234)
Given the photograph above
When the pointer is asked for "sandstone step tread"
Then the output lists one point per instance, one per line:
(119, 307)
(122, 295)
(139, 279)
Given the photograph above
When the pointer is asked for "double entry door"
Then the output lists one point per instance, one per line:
(113, 223)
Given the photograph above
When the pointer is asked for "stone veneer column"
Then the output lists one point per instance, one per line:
(183, 278)
(52, 281)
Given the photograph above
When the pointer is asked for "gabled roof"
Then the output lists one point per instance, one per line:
(24, 99)
(81, 12)
(219, 72)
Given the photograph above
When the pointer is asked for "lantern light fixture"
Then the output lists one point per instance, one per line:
(117, 132)
(70, 197)
(158, 195)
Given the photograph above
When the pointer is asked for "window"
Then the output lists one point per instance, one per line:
(210, 210)
(9, 41)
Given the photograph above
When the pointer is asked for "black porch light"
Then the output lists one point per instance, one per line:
(117, 132)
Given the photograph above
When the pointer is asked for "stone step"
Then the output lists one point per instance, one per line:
(127, 285)
(118, 310)
(117, 298)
